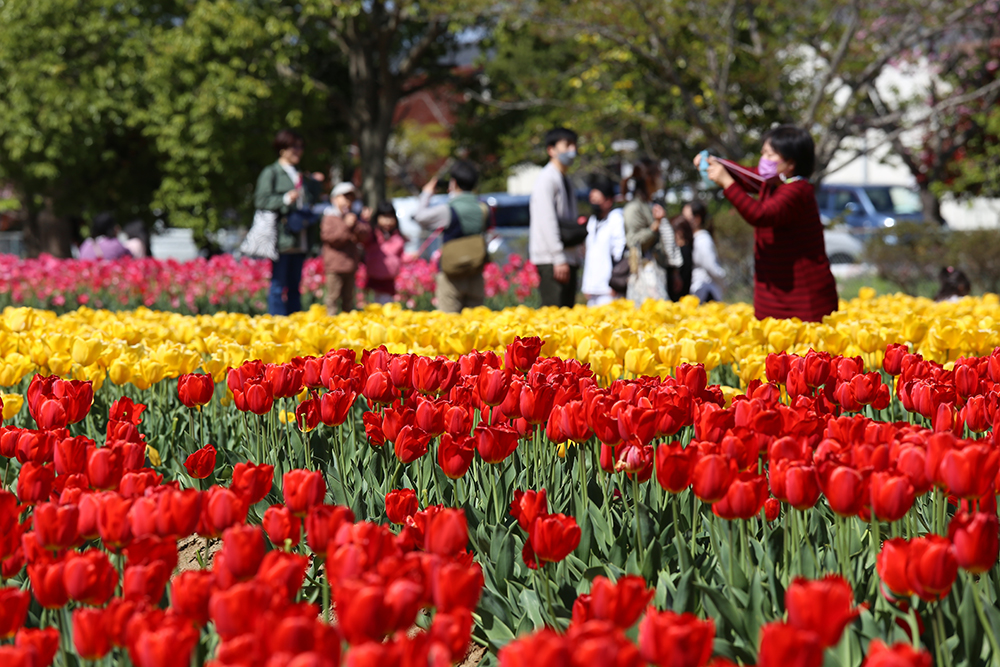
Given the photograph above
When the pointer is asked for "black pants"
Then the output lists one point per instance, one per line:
(555, 293)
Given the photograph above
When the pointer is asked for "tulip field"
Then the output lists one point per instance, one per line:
(672, 485)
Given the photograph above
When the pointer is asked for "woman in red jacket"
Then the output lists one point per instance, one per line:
(792, 275)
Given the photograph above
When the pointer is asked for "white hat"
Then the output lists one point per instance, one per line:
(344, 188)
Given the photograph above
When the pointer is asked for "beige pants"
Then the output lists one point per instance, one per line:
(454, 294)
(339, 296)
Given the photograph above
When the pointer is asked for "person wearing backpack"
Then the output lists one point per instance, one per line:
(605, 243)
(461, 222)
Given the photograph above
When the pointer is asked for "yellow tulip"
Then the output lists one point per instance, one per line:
(86, 351)
(11, 405)
(154, 455)
(120, 371)
(639, 361)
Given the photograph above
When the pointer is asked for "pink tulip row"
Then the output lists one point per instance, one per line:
(209, 285)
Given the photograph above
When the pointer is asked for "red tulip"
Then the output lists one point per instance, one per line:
(536, 402)
(285, 380)
(845, 489)
(411, 443)
(17, 656)
(373, 429)
(190, 592)
(712, 476)
(447, 533)
(195, 389)
(931, 567)
(252, 481)
(113, 523)
(282, 526)
(522, 353)
(169, 646)
(456, 586)
(544, 647)
(824, 607)
(400, 505)
(362, 613)
(177, 513)
(493, 385)
(302, 489)
(675, 466)
(307, 414)
(283, 573)
(221, 509)
(105, 468)
(89, 635)
(90, 578)
(34, 483)
(379, 389)
(969, 472)
(892, 495)
(893, 360)
(744, 499)
(620, 603)
(495, 443)
(574, 422)
(70, 455)
(48, 584)
(201, 463)
(13, 610)
(553, 537)
(56, 525)
(145, 583)
(801, 486)
(455, 454)
(784, 645)
(242, 551)
(236, 610)
(43, 642)
(675, 640)
(976, 540)
(772, 509)
(528, 506)
(323, 523)
(900, 655)
(335, 406)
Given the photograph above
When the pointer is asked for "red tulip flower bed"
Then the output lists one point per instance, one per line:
(405, 508)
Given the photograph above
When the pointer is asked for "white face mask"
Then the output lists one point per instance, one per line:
(567, 157)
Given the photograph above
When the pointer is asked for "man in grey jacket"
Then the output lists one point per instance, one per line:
(552, 201)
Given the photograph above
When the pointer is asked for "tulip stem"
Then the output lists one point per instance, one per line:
(987, 627)
(326, 595)
(939, 637)
(496, 497)
(194, 440)
(548, 592)
(638, 525)
(583, 483)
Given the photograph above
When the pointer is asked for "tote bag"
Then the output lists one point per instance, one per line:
(648, 279)
(262, 239)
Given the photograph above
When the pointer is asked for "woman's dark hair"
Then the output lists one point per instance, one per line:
(644, 175)
(603, 184)
(286, 139)
(954, 282)
(385, 208)
(794, 145)
(555, 135)
(103, 224)
(683, 227)
(465, 175)
(700, 211)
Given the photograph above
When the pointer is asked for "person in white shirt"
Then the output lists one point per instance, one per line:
(707, 276)
(605, 242)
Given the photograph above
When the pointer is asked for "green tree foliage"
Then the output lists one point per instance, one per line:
(71, 79)
(221, 85)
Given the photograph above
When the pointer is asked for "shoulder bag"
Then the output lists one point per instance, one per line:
(463, 256)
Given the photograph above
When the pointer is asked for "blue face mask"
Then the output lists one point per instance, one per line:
(767, 169)
(567, 157)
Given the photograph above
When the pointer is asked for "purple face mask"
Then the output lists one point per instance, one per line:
(767, 169)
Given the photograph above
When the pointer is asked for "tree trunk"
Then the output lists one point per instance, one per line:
(372, 144)
(45, 232)
(931, 205)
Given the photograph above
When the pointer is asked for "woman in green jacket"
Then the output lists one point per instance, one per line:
(282, 190)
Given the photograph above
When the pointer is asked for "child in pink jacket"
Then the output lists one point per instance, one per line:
(384, 254)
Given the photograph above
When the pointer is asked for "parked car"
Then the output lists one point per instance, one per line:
(869, 207)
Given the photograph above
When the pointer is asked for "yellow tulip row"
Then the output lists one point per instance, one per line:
(143, 347)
